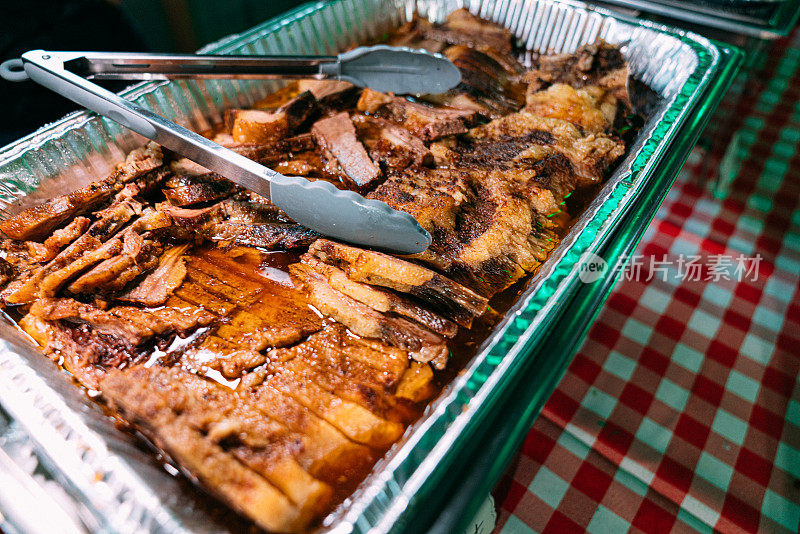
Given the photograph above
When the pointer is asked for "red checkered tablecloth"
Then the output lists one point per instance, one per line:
(681, 412)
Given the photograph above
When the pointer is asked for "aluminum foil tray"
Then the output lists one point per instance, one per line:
(110, 474)
(760, 19)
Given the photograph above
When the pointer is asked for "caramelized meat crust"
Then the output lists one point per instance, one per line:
(275, 366)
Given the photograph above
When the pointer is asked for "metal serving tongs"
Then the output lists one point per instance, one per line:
(317, 205)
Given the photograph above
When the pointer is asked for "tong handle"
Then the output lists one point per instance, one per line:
(47, 69)
(135, 66)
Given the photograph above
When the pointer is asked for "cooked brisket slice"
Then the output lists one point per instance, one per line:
(157, 286)
(242, 488)
(197, 193)
(269, 153)
(360, 318)
(102, 321)
(591, 108)
(390, 144)
(463, 28)
(590, 155)
(331, 93)
(252, 126)
(381, 300)
(269, 236)
(366, 374)
(253, 212)
(115, 273)
(337, 135)
(279, 320)
(588, 65)
(352, 420)
(452, 299)
(43, 252)
(262, 443)
(486, 233)
(426, 122)
(39, 221)
(48, 279)
(325, 452)
(81, 350)
(490, 83)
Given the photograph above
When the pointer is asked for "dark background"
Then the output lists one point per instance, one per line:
(127, 25)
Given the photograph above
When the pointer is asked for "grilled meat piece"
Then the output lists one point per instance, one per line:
(159, 284)
(596, 71)
(337, 136)
(463, 28)
(367, 322)
(115, 273)
(426, 122)
(102, 321)
(254, 126)
(83, 351)
(243, 488)
(189, 218)
(491, 83)
(243, 223)
(223, 417)
(84, 253)
(263, 127)
(327, 454)
(253, 212)
(42, 252)
(390, 144)
(354, 421)
(197, 193)
(592, 109)
(368, 374)
(269, 236)
(331, 93)
(39, 221)
(269, 153)
(381, 300)
(591, 64)
(589, 155)
(454, 300)
(485, 230)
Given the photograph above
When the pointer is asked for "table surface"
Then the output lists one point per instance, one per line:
(681, 412)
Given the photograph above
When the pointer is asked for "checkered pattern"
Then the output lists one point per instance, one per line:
(681, 412)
